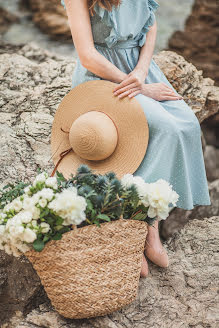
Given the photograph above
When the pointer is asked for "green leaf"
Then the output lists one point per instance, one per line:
(44, 212)
(103, 217)
(140, 216)
(97, 223)
(57, 236)
(46, 238)
(38, 245)
(59, 221)
(89, 205)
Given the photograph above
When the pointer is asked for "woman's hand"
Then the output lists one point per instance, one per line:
(160, 91)
(131, 85)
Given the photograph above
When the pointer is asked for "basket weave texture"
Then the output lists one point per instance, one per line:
(92, 271)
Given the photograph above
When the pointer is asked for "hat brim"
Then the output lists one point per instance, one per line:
(126, 113)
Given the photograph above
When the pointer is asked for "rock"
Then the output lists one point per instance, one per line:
(211, 156)
(32, 84)
(198, 42)
(20, 287)
(6, 19)
(198, 92)
(183, 295)
(210, 127)
(50, 16)
(179, 217)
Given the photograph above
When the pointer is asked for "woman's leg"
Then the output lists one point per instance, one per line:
(154, 249)
(144, 267)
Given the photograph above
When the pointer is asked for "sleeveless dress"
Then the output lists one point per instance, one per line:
(174, 150)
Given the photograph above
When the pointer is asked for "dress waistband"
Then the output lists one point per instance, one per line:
(130, 43)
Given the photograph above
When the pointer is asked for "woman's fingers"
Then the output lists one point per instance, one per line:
(131, 95)
(126, 93)
(124, 83)
(169, 97)
(126, 88)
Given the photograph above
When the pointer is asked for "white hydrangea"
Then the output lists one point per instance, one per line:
(29, 235)
(40, 178)
(52, 182)
(46, 193)
(160, 196)
(69, 206)
(156, 196)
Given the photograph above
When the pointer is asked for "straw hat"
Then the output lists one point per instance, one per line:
(93, 127)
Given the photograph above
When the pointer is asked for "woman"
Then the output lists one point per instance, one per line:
(115, 41)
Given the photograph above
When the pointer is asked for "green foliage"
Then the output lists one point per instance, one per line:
(106, 198)
(11, 191)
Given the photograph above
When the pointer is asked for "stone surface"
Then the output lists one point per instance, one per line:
(6, 19)
(184, 295)
(51, 18)
(179, 217)
(198, 92)
(211, 156)
(198, 42)
(32, 84)
(20, 287)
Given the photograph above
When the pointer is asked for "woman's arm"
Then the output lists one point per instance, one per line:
(147, 51)
(90, 58)
(134, 83)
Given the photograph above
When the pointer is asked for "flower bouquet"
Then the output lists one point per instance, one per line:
(84, 236)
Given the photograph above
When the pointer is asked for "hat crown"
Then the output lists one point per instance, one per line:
(93, 136)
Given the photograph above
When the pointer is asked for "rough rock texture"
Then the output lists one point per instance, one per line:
(32, 84)
(199, 42)
(179, 217)
(211, 130)
(6, 19)
(50, 17)
(200, 93)
(211, 156)
(184, 295)
(20, 287)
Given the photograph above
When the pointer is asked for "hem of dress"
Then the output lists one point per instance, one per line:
(194, 205)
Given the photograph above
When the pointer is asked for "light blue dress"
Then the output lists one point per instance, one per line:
(174, 150)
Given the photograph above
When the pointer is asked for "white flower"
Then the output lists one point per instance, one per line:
(69, 206)
(45, 227)
(160, 196)
(29, 235)
(16, 204)
(42, 202)
(2, 230)
(27, 189)
(26, 216)
(35, 213)
(46, 193)
(40, 178)
(51, 182)
(28, 203)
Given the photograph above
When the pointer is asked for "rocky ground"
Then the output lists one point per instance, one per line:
(199, 40)
(32, 84)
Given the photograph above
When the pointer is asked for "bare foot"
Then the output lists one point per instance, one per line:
(154, 249)
(144, 267)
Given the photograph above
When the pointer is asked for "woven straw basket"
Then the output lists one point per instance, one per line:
(92, 271)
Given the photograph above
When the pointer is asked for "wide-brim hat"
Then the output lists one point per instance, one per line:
(92, 126)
